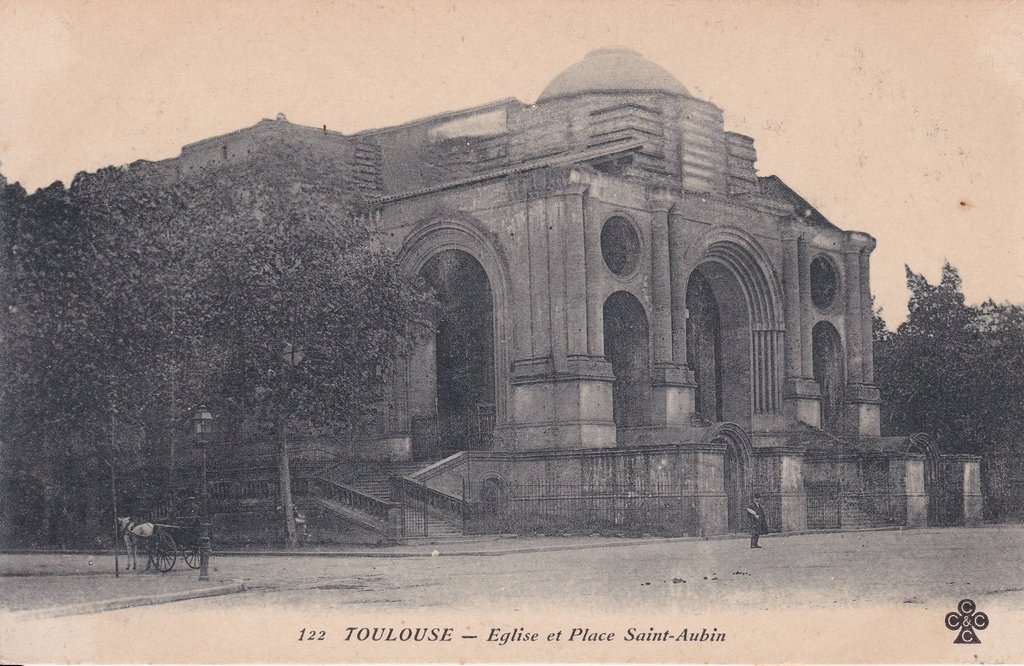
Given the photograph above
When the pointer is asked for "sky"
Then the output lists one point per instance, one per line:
(901, 119)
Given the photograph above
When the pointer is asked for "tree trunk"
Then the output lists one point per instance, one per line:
(285, 482)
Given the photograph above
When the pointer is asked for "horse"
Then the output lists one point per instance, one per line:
(132, 533)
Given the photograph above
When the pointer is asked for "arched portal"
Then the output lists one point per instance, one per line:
(737, 467)
(463, 364)
(827, 353)
(718, 344)
(627, 348)
(735, 486)
(734, 330)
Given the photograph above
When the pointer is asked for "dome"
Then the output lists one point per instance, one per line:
(613, 69)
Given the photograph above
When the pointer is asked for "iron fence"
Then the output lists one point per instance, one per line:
(823, 502)
(430, 512)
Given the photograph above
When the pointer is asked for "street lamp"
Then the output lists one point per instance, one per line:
(202, 427)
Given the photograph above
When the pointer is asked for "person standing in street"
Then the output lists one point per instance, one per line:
(758, 520)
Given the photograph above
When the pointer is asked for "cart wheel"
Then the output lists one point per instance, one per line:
(192, 557)
(165, 552)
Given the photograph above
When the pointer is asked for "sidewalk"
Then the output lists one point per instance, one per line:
(497, 545)
(470, 546)
(67, 584)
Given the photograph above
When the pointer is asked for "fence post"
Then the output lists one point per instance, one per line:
(424, 500)
(465, 507)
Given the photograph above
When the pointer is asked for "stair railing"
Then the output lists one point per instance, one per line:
(431, 498)
(440, 467)
(348, 497)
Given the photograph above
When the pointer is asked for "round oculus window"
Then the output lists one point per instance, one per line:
(620, 246)
(824, 282)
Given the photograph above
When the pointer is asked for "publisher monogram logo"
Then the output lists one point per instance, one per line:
(966, 621)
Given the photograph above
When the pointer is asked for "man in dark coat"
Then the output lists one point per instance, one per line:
(758, 520)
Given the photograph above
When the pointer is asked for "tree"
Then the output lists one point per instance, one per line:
(301, 311)
(142, 292)
(951, 369)
(83, 327)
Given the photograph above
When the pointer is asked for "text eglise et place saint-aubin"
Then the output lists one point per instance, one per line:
(521, 635)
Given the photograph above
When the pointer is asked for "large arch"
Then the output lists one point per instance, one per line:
(733, 279)
(829, 372)
(431, 238)
(627, 347)
(742, 255)
(718, 345)
(463, 353)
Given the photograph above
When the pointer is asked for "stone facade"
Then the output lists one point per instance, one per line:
(619, 285)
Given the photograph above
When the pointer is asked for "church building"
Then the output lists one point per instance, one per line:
(636, 331)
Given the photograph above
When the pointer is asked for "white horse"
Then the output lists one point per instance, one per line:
(132, 533)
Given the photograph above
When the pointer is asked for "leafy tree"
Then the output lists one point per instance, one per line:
(300, 311)
(81, 330)
(952, 369)
(138, 293)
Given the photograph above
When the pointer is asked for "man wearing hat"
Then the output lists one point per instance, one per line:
(758, 520)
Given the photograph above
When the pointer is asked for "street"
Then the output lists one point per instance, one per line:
(883, 582)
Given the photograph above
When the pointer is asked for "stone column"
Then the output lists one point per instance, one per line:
(661, 285)
(806, 315)
(908, 479)
(853, 313)
(575, 268)
(862, 398)
(791, 302)
(706, 487)
(672, 391)
(868, 358)
(801, 392)
(779, 477)
(960, 488)
(679, 273)
(561, 394)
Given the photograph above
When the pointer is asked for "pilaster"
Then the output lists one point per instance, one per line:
(867, 315)
(779, 477)
(707, 462)
(960, 487)
(791, 300)
(853, 312)
(907, 479)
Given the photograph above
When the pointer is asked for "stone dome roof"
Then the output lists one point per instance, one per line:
(612, 69)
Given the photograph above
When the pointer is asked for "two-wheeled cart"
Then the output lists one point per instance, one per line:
(168, 541)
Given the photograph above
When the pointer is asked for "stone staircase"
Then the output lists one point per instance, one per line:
(377, 479)
(362, 493)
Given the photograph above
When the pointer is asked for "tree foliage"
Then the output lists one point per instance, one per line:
(951, 369)
(138, 293)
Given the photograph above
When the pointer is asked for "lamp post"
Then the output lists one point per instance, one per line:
(202, 427)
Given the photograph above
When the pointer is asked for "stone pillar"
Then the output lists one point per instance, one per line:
(779, 477)
(960, 488)
(671, 383)
(862, 398)
(806, 315)
(679, 273)
(791, 302)
(661, 285)
(574, 268)
(852, 315)
(705, 464)
(907, 478)
(868, 358)
(800, 392)
(561, 393)
(682, 385)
